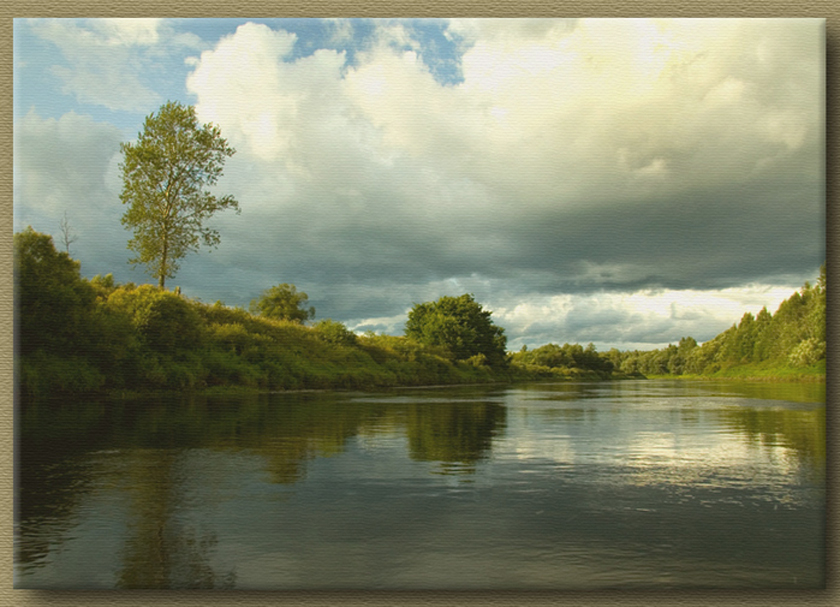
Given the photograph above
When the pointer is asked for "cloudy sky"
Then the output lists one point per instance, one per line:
(622, 182)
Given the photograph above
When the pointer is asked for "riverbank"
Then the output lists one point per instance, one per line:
(766, 371)
(372, 363)
(76, 336)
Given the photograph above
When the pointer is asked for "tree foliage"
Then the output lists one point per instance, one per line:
(283, 302)
(461, 326)
(75, 335)
(53, 301)
(336, 333)
(166, 173)
(566, 360)
(163, 321)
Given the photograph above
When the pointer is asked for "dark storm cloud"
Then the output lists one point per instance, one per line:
(703, 240)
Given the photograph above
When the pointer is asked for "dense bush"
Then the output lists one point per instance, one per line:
(283, 302)
(53, 302)
(163, 320)
(335, 333)
(459, 325)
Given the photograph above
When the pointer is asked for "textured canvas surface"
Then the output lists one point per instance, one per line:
(14, 9)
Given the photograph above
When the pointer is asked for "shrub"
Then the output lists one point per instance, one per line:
(460, 325)
(164, 320)
(335, 333)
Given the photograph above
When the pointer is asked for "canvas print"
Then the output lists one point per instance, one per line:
(419, 304)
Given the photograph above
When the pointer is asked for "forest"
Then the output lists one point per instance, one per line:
(91, 335)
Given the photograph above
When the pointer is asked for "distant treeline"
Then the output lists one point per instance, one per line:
(569, 361)
(78, 335)
(787, 344)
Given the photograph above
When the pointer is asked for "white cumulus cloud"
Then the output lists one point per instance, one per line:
(105, 59)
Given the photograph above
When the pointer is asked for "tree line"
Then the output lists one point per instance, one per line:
(789, 342)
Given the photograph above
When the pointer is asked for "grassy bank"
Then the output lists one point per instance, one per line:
(158, 341)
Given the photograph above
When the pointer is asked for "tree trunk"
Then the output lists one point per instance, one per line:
(162, 276)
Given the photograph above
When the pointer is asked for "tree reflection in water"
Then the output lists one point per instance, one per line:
(167, 467)
(453, 433)
(162, 549)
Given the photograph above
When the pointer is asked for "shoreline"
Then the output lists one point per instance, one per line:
(236, 390)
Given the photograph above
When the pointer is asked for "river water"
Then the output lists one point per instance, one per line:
(628, 484)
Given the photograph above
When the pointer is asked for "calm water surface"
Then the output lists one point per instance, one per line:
(595, 485)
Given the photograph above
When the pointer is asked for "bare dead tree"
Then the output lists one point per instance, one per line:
(67, 235)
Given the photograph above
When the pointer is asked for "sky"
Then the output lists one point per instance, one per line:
(622, 182)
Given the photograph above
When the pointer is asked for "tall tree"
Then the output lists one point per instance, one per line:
(166, 173)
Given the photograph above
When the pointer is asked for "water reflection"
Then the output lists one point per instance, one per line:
(162, 550)
(789, 392)
(209, 492)
(453, 433)
(51, 479)
(802, 431)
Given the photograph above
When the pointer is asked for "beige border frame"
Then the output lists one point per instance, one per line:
(828, 9)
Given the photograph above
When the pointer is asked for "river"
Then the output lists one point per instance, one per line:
(626, 484)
